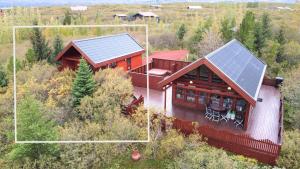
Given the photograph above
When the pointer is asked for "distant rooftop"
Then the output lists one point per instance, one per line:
(178, 55)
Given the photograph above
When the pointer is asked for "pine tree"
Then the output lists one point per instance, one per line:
(262, 32)
(246, 32)
(227, 29)
(266, 26)
(33, 126)
(281, 40)
(84, 83)
(181, 32)
(259, 38)
(39, 44)
(68, 19)
(57, 47)
(3, 77)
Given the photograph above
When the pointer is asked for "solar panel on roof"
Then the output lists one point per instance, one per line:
(240, 65)
(100, 49)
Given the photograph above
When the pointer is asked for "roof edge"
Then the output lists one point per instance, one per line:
(100, 37)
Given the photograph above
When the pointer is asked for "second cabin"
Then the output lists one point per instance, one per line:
(120, 50)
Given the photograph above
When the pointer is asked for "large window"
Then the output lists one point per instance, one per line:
(227, 103)
(216, 79)
(215, 99)
(179, 93)
(202, 98)
(204, 73)
(190, 96)
(241, 105)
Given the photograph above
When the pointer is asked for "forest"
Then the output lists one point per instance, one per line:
(55, 105)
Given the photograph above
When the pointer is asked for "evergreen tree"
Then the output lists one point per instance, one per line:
(262, 32)
(68, 19)
(227, 29)
(259, 38)
(84, 83)
(280, 37)
(30, 56)
(39, 44)
(181, 32)
(32, 126)
(3, 77)
(246, 32)
(57, 47)
(266, 26)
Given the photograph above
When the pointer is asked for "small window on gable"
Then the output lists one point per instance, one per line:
(216, 79)
(204, 73)
(192, 75)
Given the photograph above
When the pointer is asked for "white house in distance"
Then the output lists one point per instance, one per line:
(78, 8)
(194, 7)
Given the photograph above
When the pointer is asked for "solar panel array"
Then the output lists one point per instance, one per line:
(240, 65)
(104, 48)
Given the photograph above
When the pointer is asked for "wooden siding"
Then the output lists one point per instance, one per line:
(136, 61)
(139, 74)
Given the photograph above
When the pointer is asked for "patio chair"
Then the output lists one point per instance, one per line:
(208, 113)
(238, 123)
(225, 116)
(216, 116)
(238, 120)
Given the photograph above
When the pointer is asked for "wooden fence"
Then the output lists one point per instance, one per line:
(262, 150)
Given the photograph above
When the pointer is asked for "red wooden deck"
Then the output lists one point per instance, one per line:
(264, 121)
(262, 139)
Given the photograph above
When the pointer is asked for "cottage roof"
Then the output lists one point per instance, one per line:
(148, 14)
(178, 55)
(104, 48)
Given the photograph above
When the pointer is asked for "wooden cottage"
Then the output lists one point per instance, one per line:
(228, 78)
(145, 16)
(120, 16)
(237, 107)
(120, 50)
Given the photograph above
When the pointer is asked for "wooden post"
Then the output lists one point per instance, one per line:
(165, 98)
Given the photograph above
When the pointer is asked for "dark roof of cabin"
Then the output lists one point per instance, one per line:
(240, 65)
(104, 48)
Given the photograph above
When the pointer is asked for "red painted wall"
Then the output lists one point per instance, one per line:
(136, 61)
(122, 64)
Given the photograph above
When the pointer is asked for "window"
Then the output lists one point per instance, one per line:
(204, 73)
(241, 105)
(190, 96)
(128, 60)
(215, 99)
(179, 93)
(227, 103)
(113, 65)
(216, 79)
(192, 75)
(202, 98)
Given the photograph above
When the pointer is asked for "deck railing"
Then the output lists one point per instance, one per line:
(262, 150)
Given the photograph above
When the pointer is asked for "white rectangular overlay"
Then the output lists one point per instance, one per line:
(78, 26)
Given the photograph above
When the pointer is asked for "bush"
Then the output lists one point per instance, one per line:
(290, 151)
(164, 41)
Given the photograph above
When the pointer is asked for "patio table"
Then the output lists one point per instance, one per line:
(217, 108)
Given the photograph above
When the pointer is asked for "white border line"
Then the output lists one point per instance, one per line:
(83, 141)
